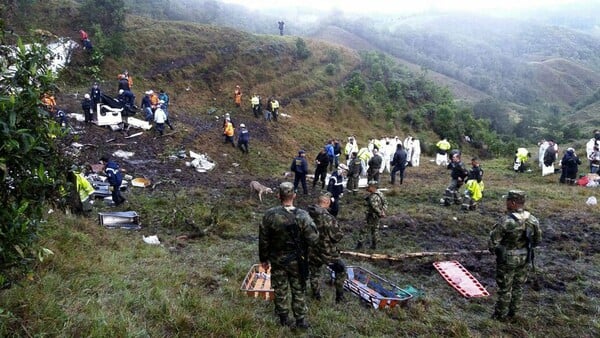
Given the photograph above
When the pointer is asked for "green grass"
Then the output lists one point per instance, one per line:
(109, 283)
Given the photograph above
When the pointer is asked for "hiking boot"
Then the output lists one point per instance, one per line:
(302, 324)
(284, 320)
(499, 317)
(339, 297)
(316, 295)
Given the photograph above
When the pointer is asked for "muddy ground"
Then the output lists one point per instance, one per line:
(571, 239)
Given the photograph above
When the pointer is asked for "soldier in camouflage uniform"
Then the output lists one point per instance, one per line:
(376, 207)
(512, 240)
(458, 173)
(326, 251)
(354, 170)
(283, 231)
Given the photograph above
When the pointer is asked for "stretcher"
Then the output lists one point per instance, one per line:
(461, 279)
(375, 290)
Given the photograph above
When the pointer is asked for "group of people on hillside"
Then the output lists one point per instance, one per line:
(315, 235)
(269, 109)
(569, 163)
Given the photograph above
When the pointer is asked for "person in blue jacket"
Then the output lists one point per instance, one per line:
(300, 169)
(115, 178)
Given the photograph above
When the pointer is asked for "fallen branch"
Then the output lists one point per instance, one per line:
(413, 254)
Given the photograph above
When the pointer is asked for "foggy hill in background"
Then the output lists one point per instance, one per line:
(544, 63)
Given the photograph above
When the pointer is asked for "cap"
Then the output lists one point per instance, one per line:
(343, 166)
(516, 195)
(242, 125)
(151, 92)
(570, 150)
(286, 188)
(301, 151)
(326, 194)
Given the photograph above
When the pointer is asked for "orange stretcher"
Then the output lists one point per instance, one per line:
(460, 279)
(257, 283)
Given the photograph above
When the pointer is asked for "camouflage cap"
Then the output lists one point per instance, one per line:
(286, 188)
(516, 195)
(326, 194)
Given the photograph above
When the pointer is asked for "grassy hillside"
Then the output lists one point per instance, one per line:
(109, 283)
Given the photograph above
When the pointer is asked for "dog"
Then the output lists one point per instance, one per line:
(259, 189)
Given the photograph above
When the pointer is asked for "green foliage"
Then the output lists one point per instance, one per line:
(31, 165)
(356, 86)
(107, 20)
(302, 51)
(330, 69)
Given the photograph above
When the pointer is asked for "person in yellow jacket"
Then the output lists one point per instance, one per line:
(442, 152)
(364, 155)
(255, 104)
(274, 108)
(473, 186)
(228, 131)
(82, 197)
(522, 156)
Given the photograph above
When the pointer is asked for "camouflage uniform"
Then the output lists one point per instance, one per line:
(457, 174)
(326, 252)
(354, 170)
(376, 206)
(277, 246)
(508, 240)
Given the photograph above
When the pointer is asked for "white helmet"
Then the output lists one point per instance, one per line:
(242, 125)
(87, 96)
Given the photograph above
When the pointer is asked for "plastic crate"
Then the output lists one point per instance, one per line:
(257, 283)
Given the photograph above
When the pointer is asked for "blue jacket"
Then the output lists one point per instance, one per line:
(336, 184)
(299, 165)
(330, 150)
(146, 102)
(164, 97)
(243, 135)
(113, 172)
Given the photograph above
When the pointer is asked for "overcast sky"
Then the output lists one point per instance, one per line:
(406, 6)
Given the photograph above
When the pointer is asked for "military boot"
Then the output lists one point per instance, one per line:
(284, 320)
(302, 324)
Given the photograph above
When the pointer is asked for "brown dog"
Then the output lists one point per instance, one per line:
(259, 189)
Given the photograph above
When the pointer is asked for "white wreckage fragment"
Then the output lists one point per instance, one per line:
(201, 162)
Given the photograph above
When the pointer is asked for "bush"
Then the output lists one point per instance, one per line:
(302, 51)
(32, 168)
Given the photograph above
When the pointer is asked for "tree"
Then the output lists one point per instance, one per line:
(32, 168)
